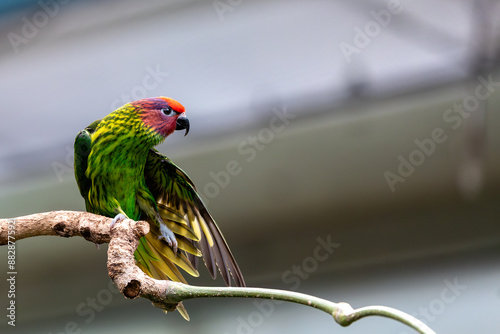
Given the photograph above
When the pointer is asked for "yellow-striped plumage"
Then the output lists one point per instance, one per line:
(119, 172)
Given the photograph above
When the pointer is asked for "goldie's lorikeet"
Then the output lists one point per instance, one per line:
(120, 173)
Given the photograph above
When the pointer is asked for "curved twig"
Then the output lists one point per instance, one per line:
(123, 240)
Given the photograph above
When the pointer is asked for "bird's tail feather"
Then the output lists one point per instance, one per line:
(158, 261)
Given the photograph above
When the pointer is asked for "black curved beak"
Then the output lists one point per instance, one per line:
(182, 123)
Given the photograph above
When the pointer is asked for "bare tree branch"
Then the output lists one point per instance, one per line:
(123, 238)
(66, 224)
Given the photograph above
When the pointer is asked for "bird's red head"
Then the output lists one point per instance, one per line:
(162, 114)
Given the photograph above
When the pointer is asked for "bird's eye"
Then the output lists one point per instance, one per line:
(167, 111)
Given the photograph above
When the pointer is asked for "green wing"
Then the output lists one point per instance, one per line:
(180, 208)
(83, 146)
(183, 211)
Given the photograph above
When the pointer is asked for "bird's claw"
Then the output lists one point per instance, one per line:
(117, 218)
(169, 237)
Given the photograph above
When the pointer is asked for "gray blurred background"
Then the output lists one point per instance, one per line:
(365, 135)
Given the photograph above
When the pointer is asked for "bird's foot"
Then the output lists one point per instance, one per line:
(117, 218)
(169, 237)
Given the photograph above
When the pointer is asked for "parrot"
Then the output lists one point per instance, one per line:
(121, 175)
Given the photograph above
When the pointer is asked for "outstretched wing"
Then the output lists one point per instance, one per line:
(83, 146)
(183, 211)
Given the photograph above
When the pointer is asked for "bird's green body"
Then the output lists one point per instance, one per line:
(119, 172)
(116, 164)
